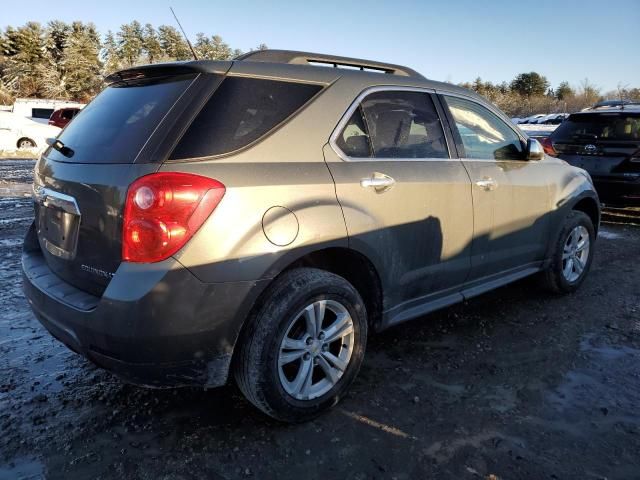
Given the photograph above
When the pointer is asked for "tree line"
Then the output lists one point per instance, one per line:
(531, 93)
(69, 60)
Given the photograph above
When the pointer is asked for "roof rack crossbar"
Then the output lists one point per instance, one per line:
(307, 58)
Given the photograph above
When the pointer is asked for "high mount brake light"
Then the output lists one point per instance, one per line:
(163, 211)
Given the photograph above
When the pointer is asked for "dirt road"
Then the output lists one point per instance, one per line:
(517, 383)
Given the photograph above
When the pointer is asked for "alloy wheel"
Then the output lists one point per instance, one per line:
(575, 253)
(316, 349)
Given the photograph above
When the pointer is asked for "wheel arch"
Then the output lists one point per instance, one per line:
(589, 206)
(354, 267)
(351, 265)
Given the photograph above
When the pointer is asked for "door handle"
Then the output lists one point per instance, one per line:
(378, 181)
(487, 184)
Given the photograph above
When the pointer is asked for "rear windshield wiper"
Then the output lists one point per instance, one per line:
(59, 146)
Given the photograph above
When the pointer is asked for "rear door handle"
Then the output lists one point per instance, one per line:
(487, 184)
(378, 181)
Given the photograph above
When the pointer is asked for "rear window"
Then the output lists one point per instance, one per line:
(241, 111)
(617, 126)
(114, 127)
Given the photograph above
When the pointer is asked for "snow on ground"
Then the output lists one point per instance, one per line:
(608, 235)
(533, 126)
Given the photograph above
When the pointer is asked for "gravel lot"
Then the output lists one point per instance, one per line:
(514, 384)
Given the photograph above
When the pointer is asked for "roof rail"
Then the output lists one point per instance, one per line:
(321, 59)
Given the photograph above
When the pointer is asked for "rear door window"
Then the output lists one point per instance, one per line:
(483, 134)
(619, 126)
(241, 111)
(115, 126)
(394, 124)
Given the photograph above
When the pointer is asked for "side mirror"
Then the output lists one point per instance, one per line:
(50, 141)
(534, 150)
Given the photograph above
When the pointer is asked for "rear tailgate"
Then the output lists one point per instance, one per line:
(79, 218)
(80, 186)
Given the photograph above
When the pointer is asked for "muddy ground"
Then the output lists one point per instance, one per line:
(515, 384)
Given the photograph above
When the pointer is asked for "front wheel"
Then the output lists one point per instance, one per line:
(572, 254)
(304, 346)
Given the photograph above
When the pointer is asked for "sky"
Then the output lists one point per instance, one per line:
(452, 40)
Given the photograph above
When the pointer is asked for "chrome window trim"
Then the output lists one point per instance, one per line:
(356, 103)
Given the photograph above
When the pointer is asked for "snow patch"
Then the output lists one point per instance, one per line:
(608, 235)
(15, 220)
(10, 242)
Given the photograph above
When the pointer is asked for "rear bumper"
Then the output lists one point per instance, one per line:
(156, 324)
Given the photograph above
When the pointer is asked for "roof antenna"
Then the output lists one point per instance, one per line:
(193, 52)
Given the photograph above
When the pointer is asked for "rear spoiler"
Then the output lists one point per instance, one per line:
(160, 70)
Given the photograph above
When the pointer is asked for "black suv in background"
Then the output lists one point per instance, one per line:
(606, 143)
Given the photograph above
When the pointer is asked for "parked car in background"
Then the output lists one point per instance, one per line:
(613, 103)
(62, 116)
(18, 132)
(257, 218)
(605, 141)
(532, 118)
(40, 110)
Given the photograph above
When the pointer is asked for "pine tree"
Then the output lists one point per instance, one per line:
(564, 91)
(68, 61)
(213, 48)
(151, 44)
(173, 45)
(130, 41)
(82, 63)
(51, 73)
(25, 54)
(110, 54)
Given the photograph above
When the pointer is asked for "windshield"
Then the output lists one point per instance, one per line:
(114, 127)
(618, 126)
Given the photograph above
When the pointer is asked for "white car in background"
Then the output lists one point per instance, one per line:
(19, 132)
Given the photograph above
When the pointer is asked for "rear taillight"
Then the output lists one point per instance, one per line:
(163, 211)
(547, 145)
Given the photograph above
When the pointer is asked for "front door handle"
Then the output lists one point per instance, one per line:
(378, 181)
(487, 184)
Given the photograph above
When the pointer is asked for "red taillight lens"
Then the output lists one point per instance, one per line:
(547, 145)
(163, 211)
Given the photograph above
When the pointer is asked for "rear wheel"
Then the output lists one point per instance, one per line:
(573, 254)
(26, 143)
(304, 347)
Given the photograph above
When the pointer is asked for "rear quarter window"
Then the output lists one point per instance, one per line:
(241, 111)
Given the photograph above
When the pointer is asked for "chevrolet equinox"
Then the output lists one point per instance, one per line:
(255, 219)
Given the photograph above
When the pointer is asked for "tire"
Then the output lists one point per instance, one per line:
(26, 143)
(557, 278)
(257, 367)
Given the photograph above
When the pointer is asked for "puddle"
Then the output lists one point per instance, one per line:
(23, 468)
